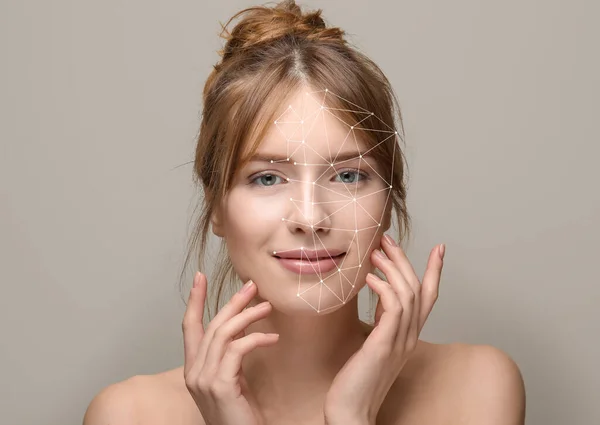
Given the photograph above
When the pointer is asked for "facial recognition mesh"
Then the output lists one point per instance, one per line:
(327, 200)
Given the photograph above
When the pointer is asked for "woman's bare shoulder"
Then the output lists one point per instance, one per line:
(456, 380)
(439, 381)
(156, 399)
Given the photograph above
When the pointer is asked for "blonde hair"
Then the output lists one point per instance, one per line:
(268, 55)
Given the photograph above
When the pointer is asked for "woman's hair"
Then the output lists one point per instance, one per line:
(269, 55)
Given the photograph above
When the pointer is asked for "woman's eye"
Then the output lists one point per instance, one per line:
(350, 176)
(265, 180)
(347, 177)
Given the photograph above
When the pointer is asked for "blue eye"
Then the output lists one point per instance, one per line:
(350, 174)
(347, 176)
(267, 179)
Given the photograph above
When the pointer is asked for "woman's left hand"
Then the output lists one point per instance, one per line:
(360, 387)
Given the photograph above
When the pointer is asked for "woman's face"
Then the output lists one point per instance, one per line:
(304, 215)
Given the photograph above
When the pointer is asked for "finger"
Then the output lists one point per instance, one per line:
(238, 301)
(397, 255)
(389, 323)
(232, 360)
(404, 292)
(394, 277)
(234, 306)
(431, 283)
(193, 329)
(225, 333)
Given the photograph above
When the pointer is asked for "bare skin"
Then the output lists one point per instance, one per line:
(289, 381)
(422, 393)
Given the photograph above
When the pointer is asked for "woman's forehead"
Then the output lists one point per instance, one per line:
(306, 126)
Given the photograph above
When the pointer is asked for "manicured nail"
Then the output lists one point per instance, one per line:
(442, 251)
(264, 305)
(379, 254)
(246, 287)
(196, 279)
(389, 240)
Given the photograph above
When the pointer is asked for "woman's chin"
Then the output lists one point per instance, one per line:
(311, 302)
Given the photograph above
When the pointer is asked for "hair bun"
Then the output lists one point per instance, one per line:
(261, 25)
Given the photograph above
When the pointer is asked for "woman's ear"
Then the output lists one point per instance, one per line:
(216, 219)
(217, 223)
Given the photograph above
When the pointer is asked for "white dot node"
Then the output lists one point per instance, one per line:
(356, 231)
(314, 182)
(301, 247)
(321, 281)
(288, 159)
(274, 252)
(311, 226)
(291, 199)
(301, 122)
(390, 186)
(282, 219)
(360, 265)
(339, 270)
(331, 165)
(354, 199)
(395, 132)
(351, 127)
(294, 162)
(271, 161)
(289, 107)
(321, 107)
(275, 122)
(297, 295)
(360, 156)
(344, 302)
(378, 224)
(288, 179)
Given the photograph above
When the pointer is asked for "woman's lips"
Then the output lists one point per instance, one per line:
(319, 266)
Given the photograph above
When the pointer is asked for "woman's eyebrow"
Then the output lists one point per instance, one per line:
(340, 157)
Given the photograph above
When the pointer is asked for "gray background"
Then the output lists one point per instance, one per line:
(99, 101)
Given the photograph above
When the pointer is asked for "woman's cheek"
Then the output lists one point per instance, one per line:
(255, 215)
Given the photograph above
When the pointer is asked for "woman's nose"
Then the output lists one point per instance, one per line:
(309, 211)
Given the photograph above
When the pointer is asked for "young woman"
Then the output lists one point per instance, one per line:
(302, 174)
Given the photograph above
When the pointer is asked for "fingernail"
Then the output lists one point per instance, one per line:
(246, 287)
(442, 251)
(371, 275)
(264, 305)
(196, 279)
(389, 240)
(379, 254)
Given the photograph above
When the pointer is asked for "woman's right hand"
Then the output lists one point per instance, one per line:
(213, 358)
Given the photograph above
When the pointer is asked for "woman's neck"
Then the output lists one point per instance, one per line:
(302, 364)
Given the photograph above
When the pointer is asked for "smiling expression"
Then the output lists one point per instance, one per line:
(304, 214)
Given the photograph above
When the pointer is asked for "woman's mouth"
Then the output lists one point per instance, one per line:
(314, 265)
